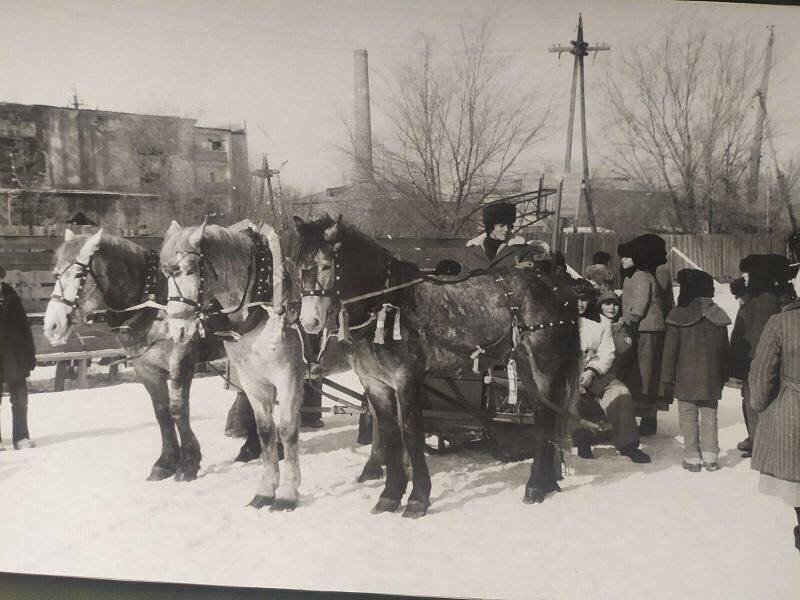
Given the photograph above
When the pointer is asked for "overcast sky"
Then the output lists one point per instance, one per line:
(286, 67)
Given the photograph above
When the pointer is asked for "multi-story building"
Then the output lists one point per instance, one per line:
(128, 172)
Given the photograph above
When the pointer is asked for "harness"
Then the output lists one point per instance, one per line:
(213, 316)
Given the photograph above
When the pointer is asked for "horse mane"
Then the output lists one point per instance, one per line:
(226, 251)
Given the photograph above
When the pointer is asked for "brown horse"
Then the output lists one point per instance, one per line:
(442, 328)
(103, 271)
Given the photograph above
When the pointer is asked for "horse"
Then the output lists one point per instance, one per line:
(103, 271)
(210, 262)
(438, 328)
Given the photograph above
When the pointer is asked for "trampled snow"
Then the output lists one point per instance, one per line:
(79, 505)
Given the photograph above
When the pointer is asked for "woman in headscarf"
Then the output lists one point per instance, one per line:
(643, 314)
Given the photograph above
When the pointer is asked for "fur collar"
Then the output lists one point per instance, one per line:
(699, 308)
(794, 305)
(478, 241)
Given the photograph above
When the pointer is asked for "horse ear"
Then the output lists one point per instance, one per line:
(89, 247)
(332, 232)
(298, 222)
(197, 235)
(173, 227)
(68, 235)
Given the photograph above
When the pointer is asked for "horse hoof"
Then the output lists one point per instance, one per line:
(287, 504)
(533, 496)
(247, 454)
(261, 501)
(415, 509)
(385, 505)
(186, 474)
(160, 473)
(370, 473)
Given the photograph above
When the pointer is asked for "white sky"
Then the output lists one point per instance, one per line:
(286, 67)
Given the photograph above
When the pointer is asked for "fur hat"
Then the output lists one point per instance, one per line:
(647, 251)
(694, 284)
(748, 263)
(608, 295)
(601, 258)
(498, 212)
(584, 290)
(768, 272)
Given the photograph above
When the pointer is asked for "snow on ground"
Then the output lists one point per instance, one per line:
(79, 505)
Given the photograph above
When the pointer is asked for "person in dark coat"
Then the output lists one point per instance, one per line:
(695, 366)
(17, 360)
(643, 314)
(765, 277)
(496, 246)
(774, 382)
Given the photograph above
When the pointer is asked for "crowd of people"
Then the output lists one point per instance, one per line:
(642, 350)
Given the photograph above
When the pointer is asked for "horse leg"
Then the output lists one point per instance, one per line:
(189, 463)
(290, 395)
(155, 382)
(374, 467)
(409, 414)
(543, 478)
(382, 398)
(262, 395)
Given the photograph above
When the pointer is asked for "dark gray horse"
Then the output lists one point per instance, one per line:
(441, 329)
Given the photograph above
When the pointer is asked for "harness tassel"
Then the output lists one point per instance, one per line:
(396, 333)
(512, 382)
(344, 325)
(380, 337)
(475, 356)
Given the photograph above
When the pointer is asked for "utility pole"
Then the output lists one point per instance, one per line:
(75, 103)
(758, 132)
(578, 48)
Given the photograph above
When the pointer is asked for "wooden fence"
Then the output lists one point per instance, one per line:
(718, 255)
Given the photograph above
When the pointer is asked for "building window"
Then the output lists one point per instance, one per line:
(215, 144)
(151, 163)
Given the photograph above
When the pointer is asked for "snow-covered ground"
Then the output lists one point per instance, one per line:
(79, 505)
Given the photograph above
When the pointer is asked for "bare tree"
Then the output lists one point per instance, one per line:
(457, 127)
(680, 123)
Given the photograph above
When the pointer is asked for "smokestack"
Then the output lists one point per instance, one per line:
(363, 128)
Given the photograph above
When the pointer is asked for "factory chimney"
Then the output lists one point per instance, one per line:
(362, 136)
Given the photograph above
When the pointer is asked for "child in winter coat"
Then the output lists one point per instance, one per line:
(694, 367)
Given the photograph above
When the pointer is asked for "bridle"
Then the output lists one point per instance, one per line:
(197, 303)
(85, 270)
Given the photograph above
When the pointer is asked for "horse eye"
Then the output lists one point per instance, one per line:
(326, 267)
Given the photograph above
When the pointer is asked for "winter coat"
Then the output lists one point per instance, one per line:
(665, 295)
(749, 325)
(597, 343)
(16, 340)
(623, 341)
(775, 393)
(696, 351)
(477, 258)
(641, 302)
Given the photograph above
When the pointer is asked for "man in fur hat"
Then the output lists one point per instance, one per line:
(765, 276)
(496, 246)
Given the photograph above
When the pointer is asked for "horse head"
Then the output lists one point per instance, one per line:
(202, 264)
(335, 262)
(92, 272)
